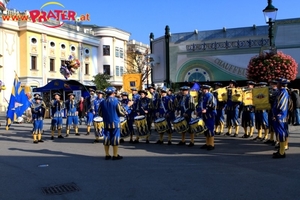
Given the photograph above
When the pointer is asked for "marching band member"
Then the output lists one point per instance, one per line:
(261, 120)
(273, 94)
(248, 115)
(172, 97)
(72, 114)
(208, 111)
(144, 107)
(280, 112)
(127, 105)
(111, 110)
(220, 116)
(89, 109)
(171, 94)
(98, 100)
(134, 97)
(232, 109)
(38, 109)
(164, 109)
(154, 95)
(57, 109)
(185, 108)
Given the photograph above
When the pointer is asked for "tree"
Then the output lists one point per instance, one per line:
(137, 63)
(101, 81)
(270, 66)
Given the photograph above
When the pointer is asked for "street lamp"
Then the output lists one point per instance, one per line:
(167, 42)
(151, 51)
(270, 13)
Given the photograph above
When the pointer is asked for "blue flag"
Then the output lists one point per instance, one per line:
(18, 103)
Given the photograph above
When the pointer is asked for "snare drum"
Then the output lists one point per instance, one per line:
(197, 126)
(141, 126)
(180, 125)
(99, 126)
(161, 125)
(125, 132)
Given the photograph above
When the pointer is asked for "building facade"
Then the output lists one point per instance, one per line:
(221, 55)
(36, 52)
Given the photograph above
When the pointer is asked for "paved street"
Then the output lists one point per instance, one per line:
(237, 169)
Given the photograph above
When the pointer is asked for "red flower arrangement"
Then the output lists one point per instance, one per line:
(270, 66)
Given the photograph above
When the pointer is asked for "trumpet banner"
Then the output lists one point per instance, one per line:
(132, 80)
(261, 98)
(194, 94)
(248, 98)
(222, 94)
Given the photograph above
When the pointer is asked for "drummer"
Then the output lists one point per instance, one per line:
(220, 116)
(261, 120)
(143, 107)
(89, 109)
(248, 114)
(164, 109)
(127, 105)
(232, 109)
(134, 97)
(208, 112)
(184, 108)
(98, 130)
(154, 97)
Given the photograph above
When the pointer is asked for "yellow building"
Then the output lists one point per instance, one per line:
(36, 52)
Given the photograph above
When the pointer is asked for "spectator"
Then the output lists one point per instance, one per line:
(296, 103)
(81, 111)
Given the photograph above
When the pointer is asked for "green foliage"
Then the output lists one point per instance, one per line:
(101, 81)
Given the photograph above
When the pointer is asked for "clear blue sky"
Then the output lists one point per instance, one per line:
(140, 17)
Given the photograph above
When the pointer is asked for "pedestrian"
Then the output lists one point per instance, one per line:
(81, 111)
(296, 106)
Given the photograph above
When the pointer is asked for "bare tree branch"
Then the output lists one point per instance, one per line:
(137, 62)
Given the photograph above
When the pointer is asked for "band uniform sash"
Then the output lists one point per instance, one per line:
(261, 99)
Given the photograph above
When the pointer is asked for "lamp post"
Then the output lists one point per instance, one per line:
(151, 51)
(167, 42)
(270, 13)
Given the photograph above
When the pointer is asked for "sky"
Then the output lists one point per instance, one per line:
(141, 17)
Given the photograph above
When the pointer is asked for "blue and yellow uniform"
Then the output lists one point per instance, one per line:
(220, 116)
(111, 110)
(165, 109)
(90, 110)
(154, 96)
(233, 108)
(261, 120)
(280, 113)
(248, 116)
(38, 108)
(144, 106)
(98, 125)
(134, 97)
(273, 95)
(72, 114)
(57, 110)
(208, 110)
(127, 105)
(185, 107)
